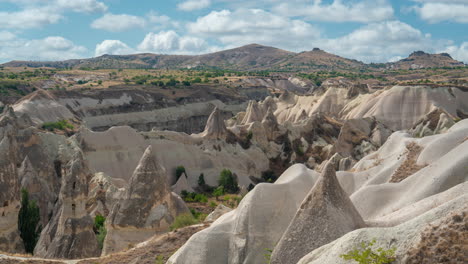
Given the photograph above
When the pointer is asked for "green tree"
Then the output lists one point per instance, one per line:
(179, 171)
(218, 192)
(28, 222)
(201, 180)
(366, 255)
(228, 181)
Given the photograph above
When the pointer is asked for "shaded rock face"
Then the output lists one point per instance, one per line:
(37, 188)
(435, 122)
(270, 123)
(253, 113)
(9, 185)
(182, 185)
(148, 207)
(215, 127)
(69, 234)
(326, 214)
(359, 137)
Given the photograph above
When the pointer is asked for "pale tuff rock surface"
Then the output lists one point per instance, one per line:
(148, 207)
(37, 188)
(435, 122)
(215, 127)
(326, 214)
(253, 113)
(405, 237)
(402, 106)
(69, 234)
(270, 124)
(182, 185)
(389, 207)
(117, 151)
(41, 106)
(10, 240)
(242, 235)
(217, 213)
(399, 107)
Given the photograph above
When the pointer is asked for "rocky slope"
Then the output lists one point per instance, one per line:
(420, 59)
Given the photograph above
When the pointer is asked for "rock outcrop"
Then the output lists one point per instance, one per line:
(37, 188)
(217, 213)
(435, 122)
(10, 240)
(326, 214)
(182, 185)
(215, 127)
(69, 234)
(253, 113)
(147, 208)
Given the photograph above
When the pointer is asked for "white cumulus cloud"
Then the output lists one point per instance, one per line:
(458, 52)
(86, 6)
(29, 18)
(435, 12)
(381, 42)
(118, 23)
(112, 47)
(49, 48)
(191, 5)
(246, 26)
(171, 42)
(338, 11)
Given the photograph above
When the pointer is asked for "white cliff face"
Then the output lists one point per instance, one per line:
(389, 207)
(69, 234)
(148, 207)
(117, 151)
(399, 107)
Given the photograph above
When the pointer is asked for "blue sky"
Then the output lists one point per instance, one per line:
(367, 30)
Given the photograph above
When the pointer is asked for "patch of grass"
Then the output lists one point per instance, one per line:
(59, 125)
(183, 220)
(191, 197)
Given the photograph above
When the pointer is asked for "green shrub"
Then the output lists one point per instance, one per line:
(102, 232)
(183, 220)
(218, 192)
(213, 204)
(199, 216)
(201, 180)
(159, 259)
(366, 255)
(100, 229)
(267, 255)
(193, 197)
(28, 222)
(179, 171)
(59, 125)
(228, 181)
(269, 176)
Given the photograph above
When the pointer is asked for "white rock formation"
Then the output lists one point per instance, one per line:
(240, 236)
(147, 208)
(217, 213)
(326, 214)
(182, 185)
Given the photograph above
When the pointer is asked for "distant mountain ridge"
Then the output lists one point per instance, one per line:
(251, 57)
